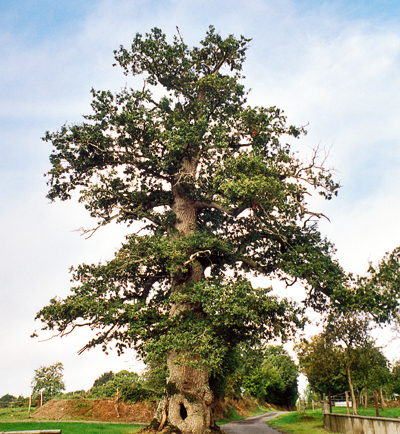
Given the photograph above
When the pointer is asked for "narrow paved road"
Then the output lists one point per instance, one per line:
(251, 425)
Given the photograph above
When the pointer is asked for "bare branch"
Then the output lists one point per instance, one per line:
(92, 231)
(195, 255)
(232, 212)
(253, 264)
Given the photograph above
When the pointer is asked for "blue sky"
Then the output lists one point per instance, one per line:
(333, 66)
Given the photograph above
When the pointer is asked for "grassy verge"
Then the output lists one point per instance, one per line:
(295, 423)
(72, 427)
(312, 423)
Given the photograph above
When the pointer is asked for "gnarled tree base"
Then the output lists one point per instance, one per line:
(183, 413)
(169, 429)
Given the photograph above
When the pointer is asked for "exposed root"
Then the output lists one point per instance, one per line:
(164, 417)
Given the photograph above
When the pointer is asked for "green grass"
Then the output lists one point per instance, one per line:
(15, 419)
(15, 413)
(312, 423)
(72, 427)
(295, 423)
(370, 411)
(231, 415)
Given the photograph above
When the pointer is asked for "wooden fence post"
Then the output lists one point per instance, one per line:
(376, 403)
(383, 404)
(347, 402)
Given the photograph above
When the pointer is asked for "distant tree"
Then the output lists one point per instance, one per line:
(7, 398)
(272, 376)
(320, 362)
(123, 383)
(154, 378)
(103, 379)
(343, 352)
(395, 378)
(49, 380)
(349, 331)
(377, 293)
(371, 369)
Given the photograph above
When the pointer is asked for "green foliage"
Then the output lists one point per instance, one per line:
(395, 377)
(76, 394)
(7, 398)
(125, 384)
(154, 378)
(264, 372)
(49, 380)
(376, 293)
(103, 379)
(270, 374)
(319, 361)
(371, 367)
(219, 195)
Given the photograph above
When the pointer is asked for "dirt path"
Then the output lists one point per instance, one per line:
(252, 425)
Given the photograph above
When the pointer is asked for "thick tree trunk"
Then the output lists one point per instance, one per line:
(190, 398)
(187, 404)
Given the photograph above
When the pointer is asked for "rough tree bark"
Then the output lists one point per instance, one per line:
(187, 404)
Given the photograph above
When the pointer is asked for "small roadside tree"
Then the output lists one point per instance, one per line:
(350, 332)
(49, 380)
(372, 370)
(320, 362)
(219, 197)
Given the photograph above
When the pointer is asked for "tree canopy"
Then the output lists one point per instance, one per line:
(199, 150)
(220, 197)
(48, 380)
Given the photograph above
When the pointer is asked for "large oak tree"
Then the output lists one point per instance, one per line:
(220, 198)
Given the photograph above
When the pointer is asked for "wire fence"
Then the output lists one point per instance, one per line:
(340, 400)
(24, 403)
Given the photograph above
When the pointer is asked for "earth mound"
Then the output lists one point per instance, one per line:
(106, 410)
